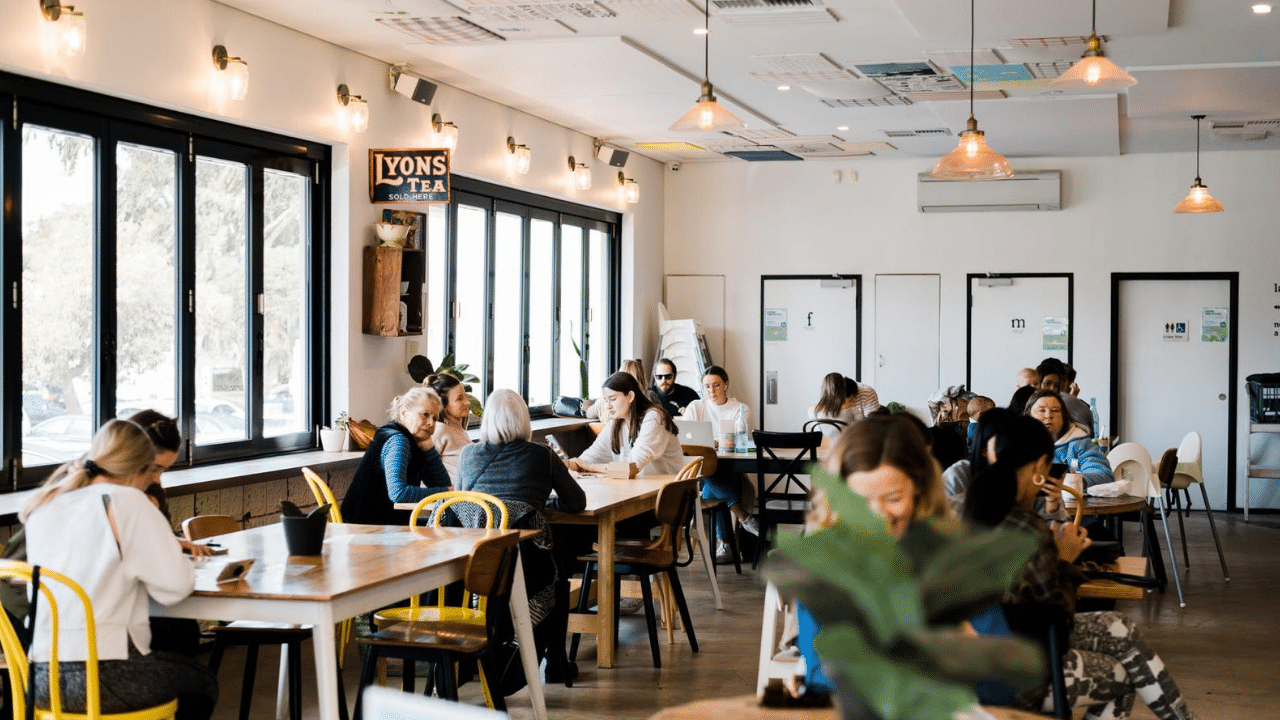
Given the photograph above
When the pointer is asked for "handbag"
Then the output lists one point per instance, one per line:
(568, 406)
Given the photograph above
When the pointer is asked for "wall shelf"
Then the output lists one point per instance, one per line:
(385, 268)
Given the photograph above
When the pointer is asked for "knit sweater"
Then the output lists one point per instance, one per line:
(519, 471)
(393, 470)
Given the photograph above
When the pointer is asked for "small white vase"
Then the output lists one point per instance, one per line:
(333, 440)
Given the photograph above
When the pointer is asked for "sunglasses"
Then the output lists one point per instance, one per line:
(663, 376)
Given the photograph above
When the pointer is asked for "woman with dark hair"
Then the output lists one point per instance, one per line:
(1073, 443)
(722, 410)
(1107, 663)
(1018, 403)
(639, 432)
(450, 435)
(956, 478)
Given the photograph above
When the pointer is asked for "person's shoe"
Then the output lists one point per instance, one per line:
(751, 525)
(723, 554)
(630, 606)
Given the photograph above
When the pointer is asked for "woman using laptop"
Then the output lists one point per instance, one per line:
(639, 432)
(722, 410)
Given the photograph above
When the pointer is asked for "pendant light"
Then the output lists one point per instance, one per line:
(1198, 200)
(972, 159)
(1093, 71)
(707, 115)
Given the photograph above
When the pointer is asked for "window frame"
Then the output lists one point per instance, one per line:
(111, 121)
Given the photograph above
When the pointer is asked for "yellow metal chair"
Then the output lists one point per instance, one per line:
(17, 658)
(320, 489)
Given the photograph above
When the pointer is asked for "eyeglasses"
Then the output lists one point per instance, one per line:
(663, 376)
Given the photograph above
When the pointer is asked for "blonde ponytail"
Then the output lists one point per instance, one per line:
(119, 450)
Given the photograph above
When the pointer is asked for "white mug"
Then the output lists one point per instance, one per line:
(1072, 480)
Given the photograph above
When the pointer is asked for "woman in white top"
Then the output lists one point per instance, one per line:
(639, 433)
(720, 409)
(450, 435)
(92, 522)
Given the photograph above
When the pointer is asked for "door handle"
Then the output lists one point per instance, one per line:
(771, 387)
(880, 360)
(1222, 396)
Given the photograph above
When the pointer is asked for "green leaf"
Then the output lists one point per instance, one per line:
(962, 569)
(447, 361)
(854, 514)
(964, 659)
(896, 691)
(457, 369)
(476, 408)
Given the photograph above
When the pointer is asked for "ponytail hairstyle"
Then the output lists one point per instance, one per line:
(442, 383)
(120, 450)
(162, 429)
(642, 405)
(413, 398)
(1020, 440)
(833, 396)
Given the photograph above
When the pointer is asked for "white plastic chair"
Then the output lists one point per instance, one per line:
(1190, 470)
(772, 665)
(1132, 462)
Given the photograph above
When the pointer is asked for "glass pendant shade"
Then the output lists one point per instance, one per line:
(523, 160)
(1198, 201)
(972, 159)
(71, 33)
(707, 115)
(1093, 72)
(358, 114)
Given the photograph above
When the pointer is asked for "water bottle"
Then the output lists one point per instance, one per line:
(1093, 407)
(740, 430)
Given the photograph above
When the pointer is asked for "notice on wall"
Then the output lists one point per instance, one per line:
(1214, 325)
(1275, 324)
(1176, 331)
(409, 175)
(775, 324)
(1055, 332)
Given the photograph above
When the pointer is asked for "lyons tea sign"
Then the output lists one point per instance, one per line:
(409, 175)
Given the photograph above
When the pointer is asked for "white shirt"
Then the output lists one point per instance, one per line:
(705, 409)
(655, 450)
(72, 535)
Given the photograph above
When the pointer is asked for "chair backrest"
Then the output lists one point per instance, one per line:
(784, 470)
(207, 526)
(692, 470)
(824, 426)
(1168, 466)
(17, 658)
(1189, 460)
(490, 570)
(447, 499)
(1080, 502)
(1131, 461)
(708, 455)
(674, 509)
(320, 489)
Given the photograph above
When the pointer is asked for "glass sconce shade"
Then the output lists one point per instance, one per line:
(972, 159)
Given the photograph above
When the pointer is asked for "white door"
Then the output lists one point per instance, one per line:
(1173, 382)
(1014, 322)
(906, 356)
(700, 297)
(810, 329)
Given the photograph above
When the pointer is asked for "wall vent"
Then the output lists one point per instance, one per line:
(935, 132)
(1245, 129)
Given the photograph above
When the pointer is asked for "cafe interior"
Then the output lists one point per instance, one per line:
(197, 194)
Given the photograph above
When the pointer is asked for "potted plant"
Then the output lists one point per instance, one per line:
(334, 439)
(889, 609)
(420, 368)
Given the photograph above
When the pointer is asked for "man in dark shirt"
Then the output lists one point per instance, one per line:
(673, 396)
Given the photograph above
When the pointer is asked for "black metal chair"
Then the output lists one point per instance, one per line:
(781, 496)
(820, 423)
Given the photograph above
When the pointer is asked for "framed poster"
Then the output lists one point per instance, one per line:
(409, 175)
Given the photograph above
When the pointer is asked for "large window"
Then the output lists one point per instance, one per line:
(531, 290)
(153, 260)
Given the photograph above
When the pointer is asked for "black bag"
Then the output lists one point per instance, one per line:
(568, 407)
(504, 669)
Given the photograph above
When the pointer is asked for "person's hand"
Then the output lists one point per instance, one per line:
(1074, 389)
(1052, 494)
(573, 464)
(197, 550)
(1071, 540)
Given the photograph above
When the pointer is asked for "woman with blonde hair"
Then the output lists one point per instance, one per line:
(92, 522)
(401, 464)
(599, 410)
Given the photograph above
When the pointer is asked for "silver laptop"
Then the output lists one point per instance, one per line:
(696, 432)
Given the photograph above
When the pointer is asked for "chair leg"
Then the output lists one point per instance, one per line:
(294, 649)
(646, 592)
(407, 676)
(448, 684)
(1155, 545)
(366, 679)
(1186, 558)
(1186, 491)
(282, 683)
(246, 684)
(584, 595)
(683, 606)
(215, 657)
(1214, 527)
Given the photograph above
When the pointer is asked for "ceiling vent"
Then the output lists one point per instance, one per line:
(1245, 129)
(728, 6)
(936, 132)
(956, 95)
(808, 16)
(763, 154)
(1025, 191)
(442, 30)
(540, 11)
(760, 134)
(886, 101)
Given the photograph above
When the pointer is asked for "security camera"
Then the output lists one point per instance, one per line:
(414, 87)
(675, 167)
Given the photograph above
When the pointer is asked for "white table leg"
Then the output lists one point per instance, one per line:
(282, 685)
(326, 649)
(519, 603)
(700, 527)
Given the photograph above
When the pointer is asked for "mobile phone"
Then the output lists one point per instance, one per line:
(234, 570)
(554, 444)
(1057, 470)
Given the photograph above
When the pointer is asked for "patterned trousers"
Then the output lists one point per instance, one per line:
(1108, 664)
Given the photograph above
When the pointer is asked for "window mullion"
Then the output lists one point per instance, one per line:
(185, 277)
(104, 261)
(254, 306)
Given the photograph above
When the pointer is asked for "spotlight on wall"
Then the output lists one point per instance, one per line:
(628, 189)
(518, 157)
(581, 174)
(357, 109)
(446, 133)
(66, 26)
(413, 86)
(237, 72)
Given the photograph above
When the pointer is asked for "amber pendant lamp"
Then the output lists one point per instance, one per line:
(1093, 71)
(972, 159)
(1198, 200)
(707, 115)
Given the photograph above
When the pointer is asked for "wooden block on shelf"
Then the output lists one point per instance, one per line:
(382, 290)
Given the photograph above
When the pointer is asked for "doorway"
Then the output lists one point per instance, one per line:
(1173, 367)
(907, 368)
(810, 325)
(1015, 321)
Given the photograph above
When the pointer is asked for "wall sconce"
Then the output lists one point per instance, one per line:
(519, 158)
(357, 109)
(581, 174)
(628, 189)
(65, 27)
(237, 72)
(446, 133)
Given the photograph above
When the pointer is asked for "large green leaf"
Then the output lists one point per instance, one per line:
(896, 691)
(961, 658)
(855, 514)
(963, 569)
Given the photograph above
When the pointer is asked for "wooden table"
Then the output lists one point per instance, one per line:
(1129, 504)
(1112, 590)
(609, 501)
(363, 568)
(746, 707)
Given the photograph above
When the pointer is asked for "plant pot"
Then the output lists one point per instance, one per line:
(333, 440)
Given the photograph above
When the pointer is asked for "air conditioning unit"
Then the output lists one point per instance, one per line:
(1026, 190)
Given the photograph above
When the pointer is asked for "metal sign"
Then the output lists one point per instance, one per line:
(409, 175)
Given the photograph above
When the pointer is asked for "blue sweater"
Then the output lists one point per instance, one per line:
(1077, 445)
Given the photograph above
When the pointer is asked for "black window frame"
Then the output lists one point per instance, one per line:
(110, 120)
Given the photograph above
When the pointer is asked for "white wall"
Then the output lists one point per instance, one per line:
(159, 53)
(748, 219)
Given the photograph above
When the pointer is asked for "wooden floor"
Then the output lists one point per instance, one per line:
(1222, 648)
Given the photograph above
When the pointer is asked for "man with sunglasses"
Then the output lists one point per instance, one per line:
(673, 396)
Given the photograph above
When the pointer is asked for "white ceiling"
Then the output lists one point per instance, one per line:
(627, 77)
